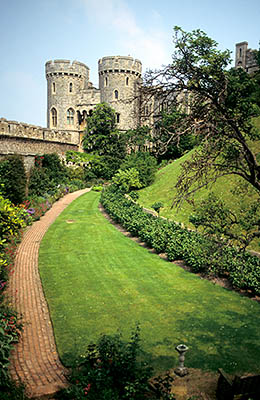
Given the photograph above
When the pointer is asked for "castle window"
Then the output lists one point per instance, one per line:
(70, 87)
(54, 117)
(117, 118)
(240, 52)
(127, 81)
(106, 81)
(116, 94)
(53, 87)
(70, 116)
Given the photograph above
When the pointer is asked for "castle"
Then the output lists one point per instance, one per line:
(72, 97)
(245, 58)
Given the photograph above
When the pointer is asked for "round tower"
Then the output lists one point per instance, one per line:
(119, 79)
(65, 80)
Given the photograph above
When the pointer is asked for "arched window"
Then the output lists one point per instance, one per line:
(70, 87)
(54, 117)
(117, 118)
(116, 94)
(240, 52)
(70, 116)
(106, 81)
(127, 81)
(53, 87)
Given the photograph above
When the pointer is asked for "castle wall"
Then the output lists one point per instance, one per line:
(29, 140)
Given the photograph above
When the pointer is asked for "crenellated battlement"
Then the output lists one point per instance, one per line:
(66, 68)
(22, 130)
(119, 64)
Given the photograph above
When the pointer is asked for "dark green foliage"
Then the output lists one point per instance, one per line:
(54, 167)
(138, 139)
(39, 182)
(200, 253)
(105, 167)
(47, 174)
(144, 163)
(111, 370)
(13, 178)
(157, 206)
(101, 136)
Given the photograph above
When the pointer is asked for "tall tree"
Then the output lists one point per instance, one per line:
(219, 106)
(101, 136)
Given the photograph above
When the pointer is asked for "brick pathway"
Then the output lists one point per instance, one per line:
(34, 360)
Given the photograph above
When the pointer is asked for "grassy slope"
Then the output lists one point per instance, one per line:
(163, 189)
(98, 281)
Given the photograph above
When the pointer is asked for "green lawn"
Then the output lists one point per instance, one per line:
(97, 281)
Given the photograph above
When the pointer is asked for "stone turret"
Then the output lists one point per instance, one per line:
(245, 58)
(119, 80)
(65, 80)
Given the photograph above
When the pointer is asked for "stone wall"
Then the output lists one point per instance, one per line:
(29, 140)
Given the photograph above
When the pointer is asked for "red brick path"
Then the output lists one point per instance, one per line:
(34, 360)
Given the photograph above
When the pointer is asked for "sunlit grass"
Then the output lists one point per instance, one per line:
(97, 281)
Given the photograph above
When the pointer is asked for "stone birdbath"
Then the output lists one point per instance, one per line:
(181, 370)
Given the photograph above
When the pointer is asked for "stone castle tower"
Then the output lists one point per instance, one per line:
(71, 96)
(245, 58)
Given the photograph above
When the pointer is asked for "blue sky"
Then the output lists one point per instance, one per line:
(35, 31)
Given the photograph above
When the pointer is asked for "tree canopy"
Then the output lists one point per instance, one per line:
(216, 104)
(101, 136)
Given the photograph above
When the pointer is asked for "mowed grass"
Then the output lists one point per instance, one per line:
(164, 190)
(98, 281)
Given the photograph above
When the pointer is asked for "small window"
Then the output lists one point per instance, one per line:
(54, 117)
(70, 116)
(117, 118)
(70, 87)
(127, 81)
(240, 52)
(116, 94)
(106, 81)
(53, 87)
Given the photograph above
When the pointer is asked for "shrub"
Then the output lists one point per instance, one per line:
(157, 206)
(13, 178)
(39, 182)
(111, 370)
(201, 253)
(10, 328)
(144, 163)
(127, 179)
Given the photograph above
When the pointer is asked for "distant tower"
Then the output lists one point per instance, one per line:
(241, 49)
(246, 58)
(65, 81)
(119, 80)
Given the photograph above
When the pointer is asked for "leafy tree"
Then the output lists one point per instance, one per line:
(228, 226)
(101, 136)
(166, 144)
(138, 139)
(13, 178)
(144, 163)
(220, 108)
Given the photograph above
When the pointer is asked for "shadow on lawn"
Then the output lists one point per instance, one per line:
(232, 345)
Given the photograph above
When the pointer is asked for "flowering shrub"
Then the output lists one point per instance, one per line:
(10, 328)
(111, 370)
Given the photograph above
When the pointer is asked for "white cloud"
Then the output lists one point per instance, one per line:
(151, 46)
